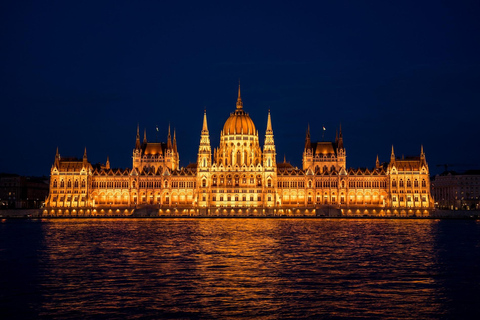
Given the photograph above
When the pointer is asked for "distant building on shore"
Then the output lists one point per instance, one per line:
(457, 191)
(240, 177)
(18, 192)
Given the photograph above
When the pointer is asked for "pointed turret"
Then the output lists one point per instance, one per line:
(57, 159)
(204, 157)
(269, 154)
(392, 156)
(340, 138)
(308, 143)
(107, 164)
(138, 146)
(145, 136)
(377, 163)
(169, 139)
(422, 155)
(85, 160)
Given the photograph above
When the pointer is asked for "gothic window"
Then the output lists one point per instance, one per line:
(214, 181)
(309, 183)
(401, 183)
(343, 184)
(166, 184)
(54, 183)
(424, 183)
(409, 183)
(75, 184)
(237, 181)
(239, 158)
(204, 182)
(69, 184)
(269, 183)
(415, 183)
(229, 180)
(394, 183)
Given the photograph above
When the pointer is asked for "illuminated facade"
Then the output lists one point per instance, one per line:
(239, 178)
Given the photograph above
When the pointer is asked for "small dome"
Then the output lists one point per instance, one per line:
(239, 122)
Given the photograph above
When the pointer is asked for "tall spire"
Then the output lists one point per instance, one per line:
(269, 123)
(340, 138)
(377, 163)
(269, 154)
(392, 156)
(169, 138)
(84, 153)
(308, 143)
(57, 159)
(422, 154)
(107, 164)
(137, 140)
(145, 136)
(205, 127)
(239, 99)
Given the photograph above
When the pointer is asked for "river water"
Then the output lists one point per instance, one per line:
(239, 268)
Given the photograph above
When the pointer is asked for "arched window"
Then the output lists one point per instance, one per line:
(214, 181)
(394, 183)
(269, 183)
(401, 183)
(75, 184)
(309, 183)
(55, 183)
(424, 183)
(204, 182)
(166, 184)
(69, 184)
(83, 183)
(415, 183)
(409, 183)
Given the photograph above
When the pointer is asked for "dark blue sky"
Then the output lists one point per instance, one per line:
(81, 73)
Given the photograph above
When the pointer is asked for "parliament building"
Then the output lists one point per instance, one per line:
(239, 178)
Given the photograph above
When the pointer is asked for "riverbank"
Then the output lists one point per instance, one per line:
(135, 214)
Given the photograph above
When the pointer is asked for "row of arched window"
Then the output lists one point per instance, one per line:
(69, 183)
(401, 183)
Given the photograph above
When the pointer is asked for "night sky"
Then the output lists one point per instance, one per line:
(78, 74)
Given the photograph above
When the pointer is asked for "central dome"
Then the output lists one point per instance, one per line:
(239, 121)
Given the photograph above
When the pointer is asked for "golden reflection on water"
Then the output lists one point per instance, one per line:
(254, 268)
